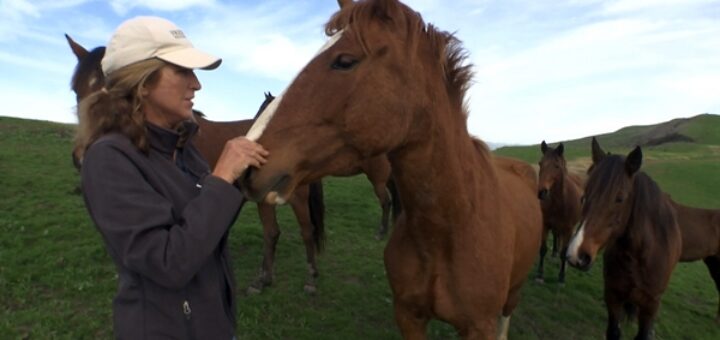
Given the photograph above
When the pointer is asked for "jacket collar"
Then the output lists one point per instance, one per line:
(166, 141)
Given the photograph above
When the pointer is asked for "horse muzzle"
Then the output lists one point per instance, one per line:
(274, 190)
(543, 194)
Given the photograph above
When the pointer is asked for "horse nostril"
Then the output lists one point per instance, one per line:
(584, 260)
(542, 194)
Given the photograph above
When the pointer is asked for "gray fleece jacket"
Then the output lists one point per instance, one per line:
(165, 223)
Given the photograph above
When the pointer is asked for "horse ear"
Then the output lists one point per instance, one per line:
(543, 147)
(597, 152)
(79, 51)
(633, 161)
(343, 3)
(560, 149)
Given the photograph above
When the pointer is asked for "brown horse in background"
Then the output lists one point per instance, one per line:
(700, 229)
(559, 192)
(307, 203)
(625, 212)
(386, 82)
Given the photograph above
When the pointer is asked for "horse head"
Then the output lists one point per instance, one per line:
(552, 169)
(368, 91)
(606, 205)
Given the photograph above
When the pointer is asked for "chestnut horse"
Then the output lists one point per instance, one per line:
(625, 212)
(386, 82)
(700, 229)
(306, 203)
(559, 192)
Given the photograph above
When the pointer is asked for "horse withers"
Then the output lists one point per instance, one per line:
(559, 192)
(625, 212)
(386, 82)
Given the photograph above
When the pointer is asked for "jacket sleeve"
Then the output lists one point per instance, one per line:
(139, 226)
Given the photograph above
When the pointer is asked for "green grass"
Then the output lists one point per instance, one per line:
(57, 281)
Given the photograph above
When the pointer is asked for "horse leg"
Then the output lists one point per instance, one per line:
(713, 265)
(299, 205)
(646, 317)
(271, 234)
(384, 198)
(555, 243)
(540, 278)
(614, 309)
(564, 242)
(503, 327)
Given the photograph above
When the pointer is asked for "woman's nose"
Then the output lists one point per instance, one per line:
(194, 81)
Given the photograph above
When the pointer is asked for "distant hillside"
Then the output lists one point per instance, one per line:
(702, 129)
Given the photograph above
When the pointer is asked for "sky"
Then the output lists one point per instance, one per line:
(549, 70)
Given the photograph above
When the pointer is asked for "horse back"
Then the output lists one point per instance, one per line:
(700, 229)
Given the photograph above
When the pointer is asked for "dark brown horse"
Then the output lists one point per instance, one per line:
(559, 192)
(625, 212)
(306, 203)
(386, 82)
(700, 229)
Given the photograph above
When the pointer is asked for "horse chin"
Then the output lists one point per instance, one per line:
(275, 198)
(275, 191)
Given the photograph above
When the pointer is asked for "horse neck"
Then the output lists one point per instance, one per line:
(442, 174)
(649, 226)
(568, 189)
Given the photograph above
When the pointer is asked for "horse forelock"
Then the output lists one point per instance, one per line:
(449, 51)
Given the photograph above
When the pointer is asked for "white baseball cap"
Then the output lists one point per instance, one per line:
(147, 37)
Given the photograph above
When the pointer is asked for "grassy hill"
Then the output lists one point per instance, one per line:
(57, 281)
(700, 133)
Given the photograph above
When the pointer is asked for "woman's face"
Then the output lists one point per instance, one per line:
(169, 99)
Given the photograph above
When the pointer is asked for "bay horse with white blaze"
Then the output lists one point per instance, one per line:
(625, 212)
(386, 82)
(559, 192)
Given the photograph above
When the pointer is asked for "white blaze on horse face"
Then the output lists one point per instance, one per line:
(262, 121)
(574, 247)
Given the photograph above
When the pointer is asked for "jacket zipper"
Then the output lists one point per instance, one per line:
(188, 316)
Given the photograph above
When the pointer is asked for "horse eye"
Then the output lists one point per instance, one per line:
(582, 199)
(344, 62)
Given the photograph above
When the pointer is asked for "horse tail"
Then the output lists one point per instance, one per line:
(394, 199)
(316, 205)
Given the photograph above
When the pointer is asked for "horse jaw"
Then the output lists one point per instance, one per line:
(274, 197)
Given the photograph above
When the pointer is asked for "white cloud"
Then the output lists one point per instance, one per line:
(124, 6)
(269, 41)
(622, 6)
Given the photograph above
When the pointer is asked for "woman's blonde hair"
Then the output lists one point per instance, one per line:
(117, 107)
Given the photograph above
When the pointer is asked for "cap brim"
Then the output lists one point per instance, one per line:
(191, 58)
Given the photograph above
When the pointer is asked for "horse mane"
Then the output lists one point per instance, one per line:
(645, 206)
(450, 53)
(87, 65)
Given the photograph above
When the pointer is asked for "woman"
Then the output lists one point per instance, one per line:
(163, 215)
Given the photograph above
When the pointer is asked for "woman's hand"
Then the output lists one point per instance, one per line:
(239, 153)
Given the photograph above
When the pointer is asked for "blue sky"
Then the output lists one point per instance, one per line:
(545, 69)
